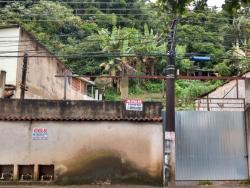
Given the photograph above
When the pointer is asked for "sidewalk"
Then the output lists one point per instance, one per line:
(190, 184)
(129, 186)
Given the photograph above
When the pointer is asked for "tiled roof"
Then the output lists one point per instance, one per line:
(28, 118)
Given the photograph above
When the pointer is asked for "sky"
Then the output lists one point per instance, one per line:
(216, 3)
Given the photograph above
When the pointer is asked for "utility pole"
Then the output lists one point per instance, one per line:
(65, 86)
(170, 105)
(24, 73)
(2, 83)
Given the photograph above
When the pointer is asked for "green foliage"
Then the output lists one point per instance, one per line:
(222, 69)
(111, 94)
(153, 87)
(136, 90)
(188, 90)
(111, 32)
(178, 7)
(205, 183)
(245, 182)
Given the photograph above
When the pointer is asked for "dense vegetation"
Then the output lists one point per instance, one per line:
(103, 38)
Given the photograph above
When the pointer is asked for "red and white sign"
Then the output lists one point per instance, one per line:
(134, 104)
(40, 133)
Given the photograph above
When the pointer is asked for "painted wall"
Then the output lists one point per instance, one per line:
(228, 90)
(87, 151)
(41, 80)
(9, 44)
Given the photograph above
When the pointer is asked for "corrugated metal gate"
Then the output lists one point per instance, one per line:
(211, 146)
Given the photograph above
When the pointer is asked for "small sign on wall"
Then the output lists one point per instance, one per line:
(134, 105)
(40, 134)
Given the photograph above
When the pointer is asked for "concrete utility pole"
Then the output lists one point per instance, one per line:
(65, 87)
(170, 105)
(24, 73)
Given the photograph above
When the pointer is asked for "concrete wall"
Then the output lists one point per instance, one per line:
(9, 44)
(86, 152)
(76, 110)
(88, 141)
(41, 80)
(228, 91)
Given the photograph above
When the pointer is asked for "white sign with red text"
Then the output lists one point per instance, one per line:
(39, 133)
(134, 105)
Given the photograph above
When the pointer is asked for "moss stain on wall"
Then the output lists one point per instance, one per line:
(103, 167)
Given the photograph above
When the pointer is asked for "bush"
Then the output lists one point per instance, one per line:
(222, 69)
(111, 94)
(153, 87)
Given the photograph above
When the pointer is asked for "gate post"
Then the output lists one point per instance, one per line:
(247, 119)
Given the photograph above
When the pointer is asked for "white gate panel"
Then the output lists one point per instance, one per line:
(211, 146)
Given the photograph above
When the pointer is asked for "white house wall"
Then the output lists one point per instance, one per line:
(227, 95)
(9, 42)
(41, 77)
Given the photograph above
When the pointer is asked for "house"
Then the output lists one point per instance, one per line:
(228, 97)
(43, 68)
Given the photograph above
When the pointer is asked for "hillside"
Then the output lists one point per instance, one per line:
(118, 37)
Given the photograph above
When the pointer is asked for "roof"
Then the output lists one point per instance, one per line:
(60, 110)
(84, 79)
(226, 82)
(29, 118)
(9, 26)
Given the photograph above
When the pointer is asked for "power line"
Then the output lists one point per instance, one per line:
(98, 20)
(161, 77)
(84, 40)
(103, 19)
(91, 55)
(112, 9)
(74, 2)
(98, 14)
(103, 54)
(125, 38)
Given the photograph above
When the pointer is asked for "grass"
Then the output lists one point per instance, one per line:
(245, 182)
(205, 182)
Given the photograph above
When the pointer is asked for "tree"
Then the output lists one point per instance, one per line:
(112, 43)
(178, 7)
(232, 6)
(222, 69)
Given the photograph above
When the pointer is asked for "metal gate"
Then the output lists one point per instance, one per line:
(211, 146)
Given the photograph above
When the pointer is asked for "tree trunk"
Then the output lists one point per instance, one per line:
(124, 87)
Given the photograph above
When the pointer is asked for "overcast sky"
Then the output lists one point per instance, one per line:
(216, 3)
